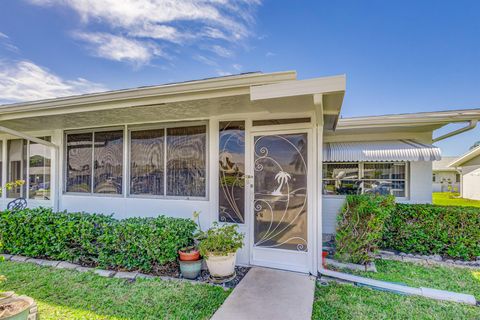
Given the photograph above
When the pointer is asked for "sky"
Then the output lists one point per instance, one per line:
(398, 56)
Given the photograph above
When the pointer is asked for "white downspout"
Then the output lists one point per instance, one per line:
(471, 125)
(424, 292)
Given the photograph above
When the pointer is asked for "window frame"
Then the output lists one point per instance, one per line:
(65, 162)
(165, 126)
(361, 170)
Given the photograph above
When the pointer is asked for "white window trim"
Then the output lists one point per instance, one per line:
(360, 165)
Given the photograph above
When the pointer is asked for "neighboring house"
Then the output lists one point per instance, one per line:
(266, 151)
(469, 167)
(445, 178)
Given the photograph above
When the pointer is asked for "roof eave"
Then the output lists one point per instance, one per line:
(466, 157)
(213, 84)
(418, 119)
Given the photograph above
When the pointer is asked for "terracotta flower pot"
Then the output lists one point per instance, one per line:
(221, 266)
(324, 257)
(190, 255)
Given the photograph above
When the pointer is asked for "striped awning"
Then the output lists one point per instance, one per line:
(391, 150)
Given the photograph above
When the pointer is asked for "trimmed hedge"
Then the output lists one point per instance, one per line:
(95, 239)
(430, 229)
(360, 226)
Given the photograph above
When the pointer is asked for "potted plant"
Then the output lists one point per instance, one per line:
(14, 307)
(189, 257)
(219, 246)
(189, 253)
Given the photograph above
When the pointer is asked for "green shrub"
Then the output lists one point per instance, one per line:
(360, 226)
(221, 240)
(142, 243)
(94, 239)
(430, 229)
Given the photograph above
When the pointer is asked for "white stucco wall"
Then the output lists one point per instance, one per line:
(438, 186)
(471, 182)
(420, 191)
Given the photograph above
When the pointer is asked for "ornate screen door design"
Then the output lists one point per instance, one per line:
(280, 201)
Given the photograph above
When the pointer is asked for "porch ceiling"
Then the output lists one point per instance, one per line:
(145, 113)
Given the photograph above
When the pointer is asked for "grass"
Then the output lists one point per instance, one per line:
(452, 199)
(337, 301)
(67, 294)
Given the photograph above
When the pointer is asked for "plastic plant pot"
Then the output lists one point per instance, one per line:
(190, 269)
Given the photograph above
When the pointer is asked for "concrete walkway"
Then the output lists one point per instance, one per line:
(266, 294)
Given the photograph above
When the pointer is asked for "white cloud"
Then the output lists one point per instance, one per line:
(172, 21)
(5, 42)
(119, 48)
(221, 51)
(205, 60)
(26, 81)
(237, 66)
(223, 73)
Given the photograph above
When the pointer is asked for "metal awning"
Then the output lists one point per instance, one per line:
(391, 150)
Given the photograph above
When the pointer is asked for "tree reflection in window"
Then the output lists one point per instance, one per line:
(232, 172)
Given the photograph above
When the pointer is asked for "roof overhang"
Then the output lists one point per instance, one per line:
(466, 157)
(271, 93)
(144, 96)
(421, 121)
(327, 94)
(391, 150)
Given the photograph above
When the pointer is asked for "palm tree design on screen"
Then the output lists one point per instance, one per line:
(281, 177)
(280, 197)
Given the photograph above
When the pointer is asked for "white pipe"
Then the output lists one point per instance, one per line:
(424, 292)
(471, 125)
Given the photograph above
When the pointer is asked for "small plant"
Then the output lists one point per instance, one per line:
(221, 240)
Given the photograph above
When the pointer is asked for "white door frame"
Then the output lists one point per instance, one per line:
(269, 254)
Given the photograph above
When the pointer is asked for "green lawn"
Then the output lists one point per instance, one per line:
(66, 294)
(451, 199)
(338, 301)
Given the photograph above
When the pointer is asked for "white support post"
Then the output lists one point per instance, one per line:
(318, 103)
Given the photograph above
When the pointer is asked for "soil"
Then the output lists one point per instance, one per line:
(12, 308)
(170, 269)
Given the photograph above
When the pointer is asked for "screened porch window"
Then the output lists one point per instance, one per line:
(169, 161)
(147, 162)
(30, 162)
(95, 162)
(231, 172)
(166, 161)
(365, 178)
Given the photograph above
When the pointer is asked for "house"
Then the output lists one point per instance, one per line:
(469, 167)
(445, 178)
(265, 151)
